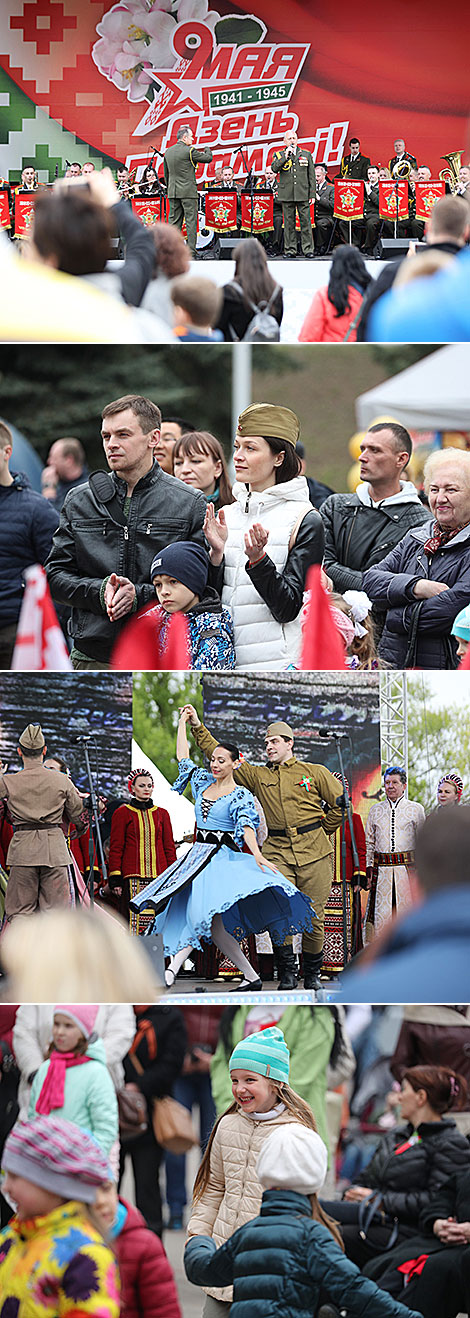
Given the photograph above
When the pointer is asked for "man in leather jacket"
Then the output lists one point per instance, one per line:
(361, 528)
(111, 528)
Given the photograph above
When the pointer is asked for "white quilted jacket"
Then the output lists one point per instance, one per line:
(233, 1194)
(260, 641)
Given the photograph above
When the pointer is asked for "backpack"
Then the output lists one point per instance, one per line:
(263, 328)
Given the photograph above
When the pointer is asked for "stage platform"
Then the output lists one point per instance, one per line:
(299, 280)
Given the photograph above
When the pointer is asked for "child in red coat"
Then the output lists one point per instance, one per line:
(141, 846)
(147, 1284)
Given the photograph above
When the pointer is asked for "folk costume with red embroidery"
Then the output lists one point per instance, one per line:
(141, 846)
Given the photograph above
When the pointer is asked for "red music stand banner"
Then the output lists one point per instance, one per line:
(150, 210)
(389, 194)
(24, 213)
(263, 212)
(426, 196)
(349, 199)
(5, 222)
(221, 210)
(312, 217)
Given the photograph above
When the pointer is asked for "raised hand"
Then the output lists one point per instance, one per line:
(256, 540)
(216, 532)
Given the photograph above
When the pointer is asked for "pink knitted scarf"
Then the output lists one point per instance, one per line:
(53, 1090)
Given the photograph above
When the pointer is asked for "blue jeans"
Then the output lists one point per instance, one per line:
(190, 1090)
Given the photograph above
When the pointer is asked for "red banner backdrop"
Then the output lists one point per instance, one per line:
(426, 196)
(151, 210)
(123, 78)
(24, 213)
(391, 196)
(221, 210)
(263, 211)
(5, 222)
(349, 199)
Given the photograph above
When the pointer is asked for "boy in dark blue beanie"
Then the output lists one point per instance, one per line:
(179, 574)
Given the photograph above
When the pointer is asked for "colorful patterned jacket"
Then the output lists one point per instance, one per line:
(57, 1264)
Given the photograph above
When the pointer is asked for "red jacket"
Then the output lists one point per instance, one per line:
(147, 1284)
(141, 843)
(322, 325)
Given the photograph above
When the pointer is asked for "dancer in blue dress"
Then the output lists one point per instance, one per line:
(217, 891)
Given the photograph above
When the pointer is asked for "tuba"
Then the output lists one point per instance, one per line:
(450, 174)
(401, 169)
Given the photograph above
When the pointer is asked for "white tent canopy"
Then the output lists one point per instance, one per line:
(180, 810)
(433, 394)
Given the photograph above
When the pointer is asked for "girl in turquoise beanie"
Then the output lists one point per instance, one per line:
(227, 1192)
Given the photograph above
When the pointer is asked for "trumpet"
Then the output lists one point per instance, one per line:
(450, 174)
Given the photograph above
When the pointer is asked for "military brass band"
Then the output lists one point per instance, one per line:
(293, 206)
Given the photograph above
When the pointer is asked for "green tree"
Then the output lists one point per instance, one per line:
(157, 700)
(438, 741)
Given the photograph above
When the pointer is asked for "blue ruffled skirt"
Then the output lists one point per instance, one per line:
(207, 882)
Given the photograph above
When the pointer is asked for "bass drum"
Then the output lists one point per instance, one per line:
(207, 244)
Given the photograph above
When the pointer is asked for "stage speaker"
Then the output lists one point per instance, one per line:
(392, 247)
(226, 247)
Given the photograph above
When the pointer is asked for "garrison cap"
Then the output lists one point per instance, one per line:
(279, 730)
(31, 738)
(269, 421)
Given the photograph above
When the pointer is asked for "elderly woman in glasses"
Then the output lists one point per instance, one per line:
(425, 581)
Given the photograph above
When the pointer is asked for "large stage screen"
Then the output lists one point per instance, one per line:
(69, 706)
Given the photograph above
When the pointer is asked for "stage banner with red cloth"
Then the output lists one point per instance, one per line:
(151, 210)
(263, 212)
(426, 196)
(221, 210)
(312, 217)
(24, 213)
(5, 222)
(392, 195)
(349, 199)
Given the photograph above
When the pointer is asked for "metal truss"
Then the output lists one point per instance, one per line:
(393, 720)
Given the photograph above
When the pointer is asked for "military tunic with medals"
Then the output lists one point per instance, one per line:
(291, 796)
(296, 189)
(38, 856)
(179, 171)
(390, 838)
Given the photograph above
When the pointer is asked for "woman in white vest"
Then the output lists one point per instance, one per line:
(264, 590)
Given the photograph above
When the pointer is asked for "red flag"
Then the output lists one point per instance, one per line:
(139, 645)
(39, 641)
(322, 646)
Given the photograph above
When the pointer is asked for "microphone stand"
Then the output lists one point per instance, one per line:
(93, 819)
(346, 812)
(249, 178)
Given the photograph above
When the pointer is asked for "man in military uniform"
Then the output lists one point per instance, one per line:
(179, 170)
(296, 188)
(37, 855)
(324, 207)
(401, 157)
(354, 165)
(291, 793)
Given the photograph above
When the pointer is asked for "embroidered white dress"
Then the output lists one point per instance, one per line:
(391, 827)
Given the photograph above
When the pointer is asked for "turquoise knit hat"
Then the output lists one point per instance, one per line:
(265, 1053)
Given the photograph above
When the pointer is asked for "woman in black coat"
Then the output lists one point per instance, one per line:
(441, 1287)
(409, 1167)
(255, 286)
(425, 581)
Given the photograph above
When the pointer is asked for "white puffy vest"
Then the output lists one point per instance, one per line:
(260, 641)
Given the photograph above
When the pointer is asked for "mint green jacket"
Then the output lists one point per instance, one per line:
(89, 1097)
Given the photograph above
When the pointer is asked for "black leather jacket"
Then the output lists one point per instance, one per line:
(283, 592)
(91, 543)
(356, 537)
